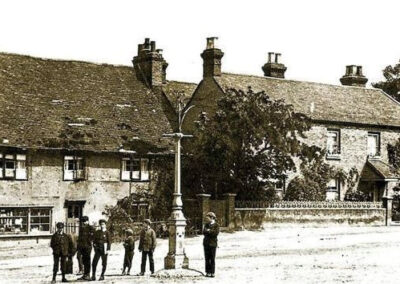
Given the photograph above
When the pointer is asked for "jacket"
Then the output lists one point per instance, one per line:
(129, 244)
(85, 238)
(62, 244)
(210, 233)
(100, 239)
(147, 240)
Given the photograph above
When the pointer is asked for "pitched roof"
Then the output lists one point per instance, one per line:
(376, 169)
(322, 101)
(71, 104)
(173, 89)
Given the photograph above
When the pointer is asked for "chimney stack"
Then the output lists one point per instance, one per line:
(354, 76)
(149, 64)
(212, 59)
(273, 68)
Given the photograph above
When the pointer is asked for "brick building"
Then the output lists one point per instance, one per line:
(354, 123)
(77, 136)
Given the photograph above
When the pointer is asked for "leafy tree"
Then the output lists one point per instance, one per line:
(392, 84)
(244, 146)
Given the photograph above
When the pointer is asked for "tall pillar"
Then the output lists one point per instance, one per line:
(204, 204)
(230, 209)
(388, 204)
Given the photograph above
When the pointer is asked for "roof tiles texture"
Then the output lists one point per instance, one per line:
(323, 101)
(70, 104)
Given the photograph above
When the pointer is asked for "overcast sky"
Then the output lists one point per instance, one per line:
(317, 38)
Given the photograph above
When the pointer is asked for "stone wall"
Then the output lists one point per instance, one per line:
(45, 184)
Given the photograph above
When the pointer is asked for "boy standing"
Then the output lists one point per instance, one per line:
(62, 246)
(147, 244)
(129, 245)
(101, 239)
(210, 242)
(85, 240)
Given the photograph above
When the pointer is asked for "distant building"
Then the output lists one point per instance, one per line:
(77, 136)
(355, 124)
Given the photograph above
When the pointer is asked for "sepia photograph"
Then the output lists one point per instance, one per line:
(173, 141)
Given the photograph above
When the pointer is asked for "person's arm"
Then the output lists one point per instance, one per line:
(206, 230)
(108, 240)
(52, 242)
(214, 230)
(71, 248)
(141, 240)
(154, 239)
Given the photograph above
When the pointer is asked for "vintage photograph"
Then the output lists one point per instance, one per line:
(199, 141)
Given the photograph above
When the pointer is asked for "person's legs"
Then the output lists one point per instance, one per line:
(94, 264)
(143, 266)
(151, 260)
(80, 261)
(130, 258)
(56, 263)
(103, 264)
(63, 266)
(207, 259)
(213, 251)
(85, 253)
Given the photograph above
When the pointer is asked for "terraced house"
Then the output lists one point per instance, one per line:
(353, 123)
(77, 136)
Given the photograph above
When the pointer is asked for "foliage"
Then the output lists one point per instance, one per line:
(392, 84)
(394, 154)
(245, 145)
(124, 214)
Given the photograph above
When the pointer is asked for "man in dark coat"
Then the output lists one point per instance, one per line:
(210, 243)
(85, 240)
(62, 246)
(147, 244)
(101, 245)
(129, 245)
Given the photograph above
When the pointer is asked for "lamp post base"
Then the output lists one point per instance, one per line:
(176, 261)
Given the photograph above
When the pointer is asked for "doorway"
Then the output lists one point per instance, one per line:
(74, 212)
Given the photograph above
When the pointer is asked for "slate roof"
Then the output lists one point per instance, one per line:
(79, 105)
(322, 101)
(173, 88)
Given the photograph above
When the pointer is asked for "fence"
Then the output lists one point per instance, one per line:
(309, 204)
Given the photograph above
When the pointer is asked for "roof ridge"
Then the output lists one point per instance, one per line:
(298, 81)
(61, 60)
(176, 81)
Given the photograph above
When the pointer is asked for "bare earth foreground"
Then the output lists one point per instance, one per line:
(274, 255)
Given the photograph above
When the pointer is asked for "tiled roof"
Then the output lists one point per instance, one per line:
(374, 169)
(71, 104)
(322, 101)
(174, 88)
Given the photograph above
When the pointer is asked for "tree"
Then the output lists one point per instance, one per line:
(247, 144)
(392, 84)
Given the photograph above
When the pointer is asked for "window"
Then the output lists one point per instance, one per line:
(13, 166)
(74, 168)
(333, 143)
(332, 191)
(374, 145)
(24, 220)
(135, 169)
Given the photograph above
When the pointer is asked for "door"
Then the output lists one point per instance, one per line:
(74, 213)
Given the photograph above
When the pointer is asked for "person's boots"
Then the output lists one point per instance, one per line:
(53, 280)
(94, 275)
(101, 277)
(63, 278)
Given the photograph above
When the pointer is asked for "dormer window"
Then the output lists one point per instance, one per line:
(374, 145)
(13, 166)
(74, 168)
(333, 143)
(135, 169)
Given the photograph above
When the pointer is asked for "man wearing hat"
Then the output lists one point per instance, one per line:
(63, 247)
(129, 245)
(101, 245)
(147, 244)
(85, 239)
(210, 243)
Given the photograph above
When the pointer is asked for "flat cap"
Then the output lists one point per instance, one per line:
(129, 231)
(147, 221)
(60, 225)
(102, 221)
(84, 218)
(211, 215)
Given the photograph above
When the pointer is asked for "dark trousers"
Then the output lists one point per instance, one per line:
(85, 254)
(128, 260)
(151, 260)
(80, 261)
(97, 255)
(56, 258)
(209, 255)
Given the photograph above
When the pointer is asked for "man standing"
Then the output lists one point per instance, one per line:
(101, 238)
(210, 242)
(62, 246)
(129, 245)
(147, 244)
(85, 239)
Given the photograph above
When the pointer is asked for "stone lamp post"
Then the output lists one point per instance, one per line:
(176, 257)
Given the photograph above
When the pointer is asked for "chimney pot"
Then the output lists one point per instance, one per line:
(270, 54)
(354, 76)
(274, 68)
(153, 46)
(211, 42)
(212, 59)
(277, 57)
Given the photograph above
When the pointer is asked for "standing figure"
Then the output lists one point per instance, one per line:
(85, 239)
(210, 243)
(101, 238)
(62, 246)
(147, 244)
(129, 245)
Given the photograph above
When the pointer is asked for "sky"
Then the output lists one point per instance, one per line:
(317, 39)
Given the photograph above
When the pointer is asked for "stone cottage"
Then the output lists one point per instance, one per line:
(353, 123)
(77, 136)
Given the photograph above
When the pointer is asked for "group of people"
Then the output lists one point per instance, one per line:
(100, 240)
